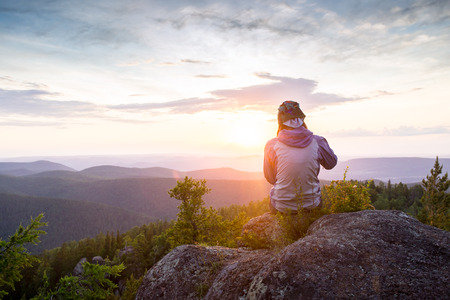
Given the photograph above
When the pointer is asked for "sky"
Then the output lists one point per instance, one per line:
(206, 77)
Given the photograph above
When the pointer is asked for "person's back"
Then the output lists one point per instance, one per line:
(292, 162)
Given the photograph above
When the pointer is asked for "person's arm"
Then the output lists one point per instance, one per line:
(270, 162)
(327, 158)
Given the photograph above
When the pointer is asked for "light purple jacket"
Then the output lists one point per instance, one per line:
(292, 164)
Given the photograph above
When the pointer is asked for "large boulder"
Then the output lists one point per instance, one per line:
(98, 260)
(78, 270)
(191, 272)
(262, 232)
(362, 255)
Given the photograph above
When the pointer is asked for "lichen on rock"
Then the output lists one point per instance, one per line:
(362, 255)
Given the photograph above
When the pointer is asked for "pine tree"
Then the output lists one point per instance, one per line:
(107, 247)
(435, 200)
(14, 257)
(187, 229)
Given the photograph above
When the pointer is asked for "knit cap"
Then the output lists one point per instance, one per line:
(289, 110)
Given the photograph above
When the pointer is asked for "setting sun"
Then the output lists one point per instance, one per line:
(249, 131)
(247, 136)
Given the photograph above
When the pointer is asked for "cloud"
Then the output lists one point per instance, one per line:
(248, 18)
(32, 103)
(263, 97)
(194, 61)
(399, 132)
(341, 30)
(191, 105)
(8, 81)
(185, 61)
(382, 93)
(30, 123)
(137, 63)
(412, 131)
(357, 132)
(210, 76)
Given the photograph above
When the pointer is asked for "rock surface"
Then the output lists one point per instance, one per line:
(78, 270)
(98, 260)
(265, 228)
(362, 255)
(190, 272)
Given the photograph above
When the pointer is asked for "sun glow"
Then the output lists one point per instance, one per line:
(248, 132)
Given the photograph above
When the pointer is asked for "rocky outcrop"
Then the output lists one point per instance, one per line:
(263, 231)
(362, 255)
(192, 272)
(98, 260)
(78, 270)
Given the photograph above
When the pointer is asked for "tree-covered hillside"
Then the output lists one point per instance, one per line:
(143, 195)
(67, 220)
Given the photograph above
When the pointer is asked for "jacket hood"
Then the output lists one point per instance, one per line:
(297, 137)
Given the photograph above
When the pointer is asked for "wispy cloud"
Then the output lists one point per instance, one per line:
(137, 63)
(265, 96)
(16, 84)
(30, 123)
(261, 97)
(402, 131)
(210, 76)
(342, 30)
(32, 103)
(191, 105)
(185, 61)
(195, 61)
(411, 131)
(246, 20)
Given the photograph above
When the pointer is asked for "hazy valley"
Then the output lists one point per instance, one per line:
(83, 203)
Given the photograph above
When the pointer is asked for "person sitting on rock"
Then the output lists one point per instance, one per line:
(292, 162)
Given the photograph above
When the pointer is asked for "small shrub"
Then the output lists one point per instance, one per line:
(339, 197)
(295, 226)
(345, 196)
(132, 287)
(253, 240)
(202, 289)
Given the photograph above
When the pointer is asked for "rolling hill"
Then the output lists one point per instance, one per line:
(115, 172)
(80, 204)
(396, 169)
(143, 195)
(28, 168)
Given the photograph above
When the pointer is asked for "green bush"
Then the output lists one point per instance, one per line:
(345, 196)
(340, 196)
(295, 226)
(94, 283)
(132, 287)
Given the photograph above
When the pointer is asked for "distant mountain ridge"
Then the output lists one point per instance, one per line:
(29, 168)
(113, 172)
(396, 169)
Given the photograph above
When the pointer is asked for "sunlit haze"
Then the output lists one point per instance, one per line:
(207, 77)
